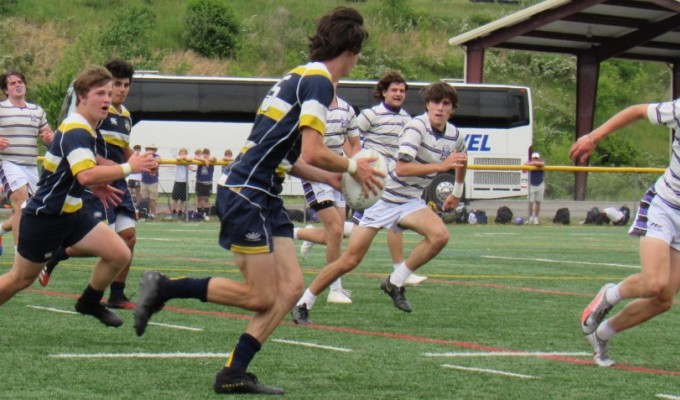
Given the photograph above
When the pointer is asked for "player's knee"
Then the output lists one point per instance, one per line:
(349, 261)
(335, 231)
(439, 238)
(655, 288)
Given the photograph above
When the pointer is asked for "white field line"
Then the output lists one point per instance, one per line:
(496, 234)
(186, 328)
(314, 345)
(547, 260)
(667, 396)
(488, 371)
(140, 355)
(56, 310)
(509, 354)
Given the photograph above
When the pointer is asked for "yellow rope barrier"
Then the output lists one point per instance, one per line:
(560, 168)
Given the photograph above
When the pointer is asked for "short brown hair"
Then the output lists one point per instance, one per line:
(92, 77)
(336, 32)
(384, 83)
(439, 91)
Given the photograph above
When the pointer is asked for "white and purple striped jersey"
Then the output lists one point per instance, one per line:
(72, 151)
(341, 123)
(423, 145)
(20, 126)
(380, 128)
(668, 185)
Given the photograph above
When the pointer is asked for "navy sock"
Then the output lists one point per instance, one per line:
(91, 295)
(243, 353)
(58, 256)
(185, 288)
(117, 288)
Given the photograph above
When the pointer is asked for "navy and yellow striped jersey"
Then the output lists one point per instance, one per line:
(300, 99)
(115, 135)
(72, 151)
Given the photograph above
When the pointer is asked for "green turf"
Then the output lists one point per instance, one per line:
(501, 288)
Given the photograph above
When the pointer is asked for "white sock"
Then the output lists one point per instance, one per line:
(400, 274)
(613, 295)
(337, 284)
(307, 299)
(605, 331)
(347, 229)
(295, 233)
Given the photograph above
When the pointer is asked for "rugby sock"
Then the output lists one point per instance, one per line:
(117, 289)
(243, 353)
(91, 295)
(605, 330)
(613, 295)
(347, 229)
(337, 284)
(400, 274)
(185, 288)
(308, 299)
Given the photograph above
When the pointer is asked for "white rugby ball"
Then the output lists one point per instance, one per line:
(351, 189)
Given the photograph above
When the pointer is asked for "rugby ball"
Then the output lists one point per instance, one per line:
(351, 189)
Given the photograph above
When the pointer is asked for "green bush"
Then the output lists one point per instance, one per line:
(212, 29)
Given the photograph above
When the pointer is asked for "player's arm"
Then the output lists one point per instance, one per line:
(585, 145)
(127, 153)
(315, 152)
(351, 146)
(313, 174)
(89, 175)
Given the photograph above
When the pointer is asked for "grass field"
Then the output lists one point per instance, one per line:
(494, 290)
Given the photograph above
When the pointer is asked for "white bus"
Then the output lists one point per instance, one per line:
(217, 112)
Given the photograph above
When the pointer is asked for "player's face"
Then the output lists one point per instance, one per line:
(95, 105)
(439, 113)
(395, 94)
(121, 89)
(15, 86)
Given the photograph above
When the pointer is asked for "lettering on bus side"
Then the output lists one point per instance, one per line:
(477, 142)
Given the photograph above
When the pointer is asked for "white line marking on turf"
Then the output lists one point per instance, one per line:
(57, 310)
(314, 345)
(186, 328)
(667, 396)
(564, 261)
(488, 371)
(508, 354)
(497, 234)
(141, 355)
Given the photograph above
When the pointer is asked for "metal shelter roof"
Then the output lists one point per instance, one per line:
(647, 30)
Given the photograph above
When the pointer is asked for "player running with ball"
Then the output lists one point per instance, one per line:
(428, 145)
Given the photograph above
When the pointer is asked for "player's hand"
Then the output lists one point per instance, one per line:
(47, 137)
(371, 179)
(451, 203)
(581, 150)
(143, 162)
(109, 195)
(453, 161)
(4, 143)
